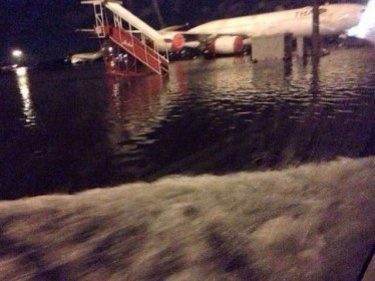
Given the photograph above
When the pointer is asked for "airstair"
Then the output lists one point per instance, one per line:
(143, 46)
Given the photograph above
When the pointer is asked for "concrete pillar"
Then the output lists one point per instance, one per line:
(277, 47)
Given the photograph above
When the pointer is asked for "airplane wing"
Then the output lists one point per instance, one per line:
(172, 28)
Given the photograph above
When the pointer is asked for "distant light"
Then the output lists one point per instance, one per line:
(21, 71)
(17, 53)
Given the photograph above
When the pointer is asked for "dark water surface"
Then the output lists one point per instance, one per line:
(76, 128)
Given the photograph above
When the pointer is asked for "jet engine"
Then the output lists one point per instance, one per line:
(226, 45)
(178, 42)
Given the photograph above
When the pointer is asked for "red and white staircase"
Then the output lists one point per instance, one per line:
(139, 50)
(140, 47)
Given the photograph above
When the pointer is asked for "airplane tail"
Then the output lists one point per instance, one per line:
(143, 27)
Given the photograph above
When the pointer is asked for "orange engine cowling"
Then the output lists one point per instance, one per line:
(178, 42)
(226, 45)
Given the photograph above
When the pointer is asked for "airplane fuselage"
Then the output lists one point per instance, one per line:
(334, 19)
(227, 36)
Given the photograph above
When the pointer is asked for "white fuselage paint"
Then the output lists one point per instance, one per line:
(334, 19)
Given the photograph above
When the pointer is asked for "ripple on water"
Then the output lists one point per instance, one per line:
(78, 128)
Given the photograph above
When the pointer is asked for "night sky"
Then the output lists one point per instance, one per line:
(45, 29)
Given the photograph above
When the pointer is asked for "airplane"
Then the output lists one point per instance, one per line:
(230, 36)
(85, 57)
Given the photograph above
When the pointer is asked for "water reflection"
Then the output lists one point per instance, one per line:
(137, 108)
(178, 78)
(216, 116)
(24, 89)
(271, 75)
(138, 105)
(248, 116)
(68, 148)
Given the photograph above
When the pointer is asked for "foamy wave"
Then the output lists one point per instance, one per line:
(313, 222)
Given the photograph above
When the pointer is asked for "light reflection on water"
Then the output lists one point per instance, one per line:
(137, 105)
(216, 116)
(23, 85)
(228, 115)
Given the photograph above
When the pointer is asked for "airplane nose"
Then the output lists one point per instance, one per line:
(361, 10)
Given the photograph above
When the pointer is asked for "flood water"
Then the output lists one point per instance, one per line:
(71, 129)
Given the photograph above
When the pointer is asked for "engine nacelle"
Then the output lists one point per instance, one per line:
(226, 45)
(178, 42)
